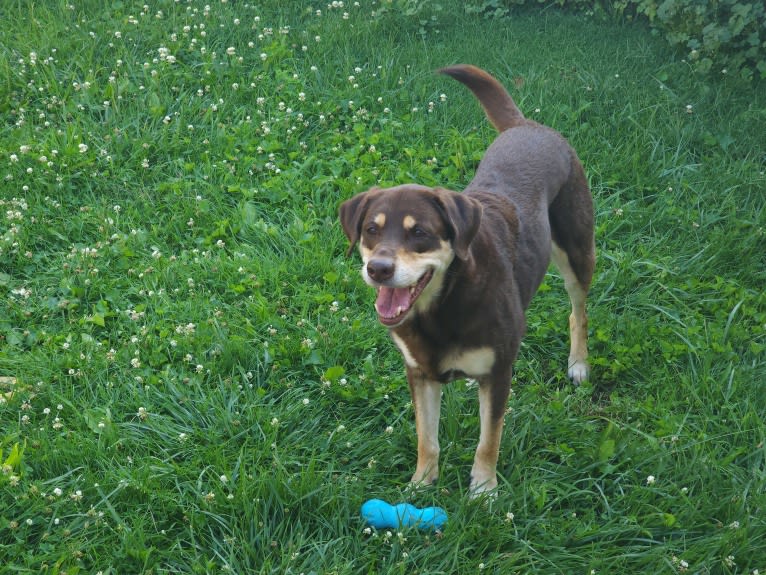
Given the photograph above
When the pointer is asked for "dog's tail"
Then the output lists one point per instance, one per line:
(495, 99)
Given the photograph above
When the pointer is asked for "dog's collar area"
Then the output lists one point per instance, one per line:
(393, 303)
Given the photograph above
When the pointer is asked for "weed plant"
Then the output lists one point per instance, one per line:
(191, 375)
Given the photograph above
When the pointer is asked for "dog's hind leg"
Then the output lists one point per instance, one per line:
(573, 250)
(578, 321)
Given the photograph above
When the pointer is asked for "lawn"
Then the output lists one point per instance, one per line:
(192, 378)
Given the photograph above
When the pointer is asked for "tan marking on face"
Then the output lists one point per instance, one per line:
(409, 222)
(380, 220)
(365, 252)
(472, 362)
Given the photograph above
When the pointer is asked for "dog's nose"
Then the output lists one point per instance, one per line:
(380, 270)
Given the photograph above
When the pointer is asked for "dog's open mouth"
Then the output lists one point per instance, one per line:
(392, 304)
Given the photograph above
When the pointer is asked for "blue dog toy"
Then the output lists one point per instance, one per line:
(382, 515)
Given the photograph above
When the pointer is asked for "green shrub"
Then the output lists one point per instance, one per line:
(726, 36)
(721, 35)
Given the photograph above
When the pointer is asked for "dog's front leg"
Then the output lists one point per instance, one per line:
(426, 397)
(493, 397)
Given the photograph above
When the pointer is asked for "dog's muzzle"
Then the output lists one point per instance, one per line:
(393, 303)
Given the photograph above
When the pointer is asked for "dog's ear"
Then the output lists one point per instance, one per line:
(351, 213)
(463, 215)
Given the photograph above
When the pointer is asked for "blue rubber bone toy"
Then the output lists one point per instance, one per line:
(382, 515)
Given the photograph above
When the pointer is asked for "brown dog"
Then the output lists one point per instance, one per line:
(455, 272)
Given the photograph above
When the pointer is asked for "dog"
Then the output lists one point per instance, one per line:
(455, 272)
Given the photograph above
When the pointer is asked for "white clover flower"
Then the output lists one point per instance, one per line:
(83, 148)
(650, 480)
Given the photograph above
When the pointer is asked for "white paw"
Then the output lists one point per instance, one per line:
(578, 371)
(422, 480)
(483, 484)
(483, 491)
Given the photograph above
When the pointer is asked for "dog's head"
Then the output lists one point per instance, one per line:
(408, 236)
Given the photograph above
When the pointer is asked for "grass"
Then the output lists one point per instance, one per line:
(193, 380)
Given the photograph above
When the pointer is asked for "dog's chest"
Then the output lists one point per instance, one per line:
(445, 363)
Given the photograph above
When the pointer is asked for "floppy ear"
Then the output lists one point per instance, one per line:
(463, 216)
(351, 213)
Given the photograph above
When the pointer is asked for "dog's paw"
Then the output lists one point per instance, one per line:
(483, 483)
(423, 480)
(578, 371)
(486, 489)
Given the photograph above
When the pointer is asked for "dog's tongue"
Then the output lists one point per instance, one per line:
(390, 300)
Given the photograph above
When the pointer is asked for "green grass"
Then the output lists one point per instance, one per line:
(193, 378)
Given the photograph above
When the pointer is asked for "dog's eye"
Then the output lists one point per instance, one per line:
(372, 230)
(419, 232)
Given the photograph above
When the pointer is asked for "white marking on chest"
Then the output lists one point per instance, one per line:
(408, 358)
(472, 362)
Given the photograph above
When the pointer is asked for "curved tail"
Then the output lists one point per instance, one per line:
(494, 98)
